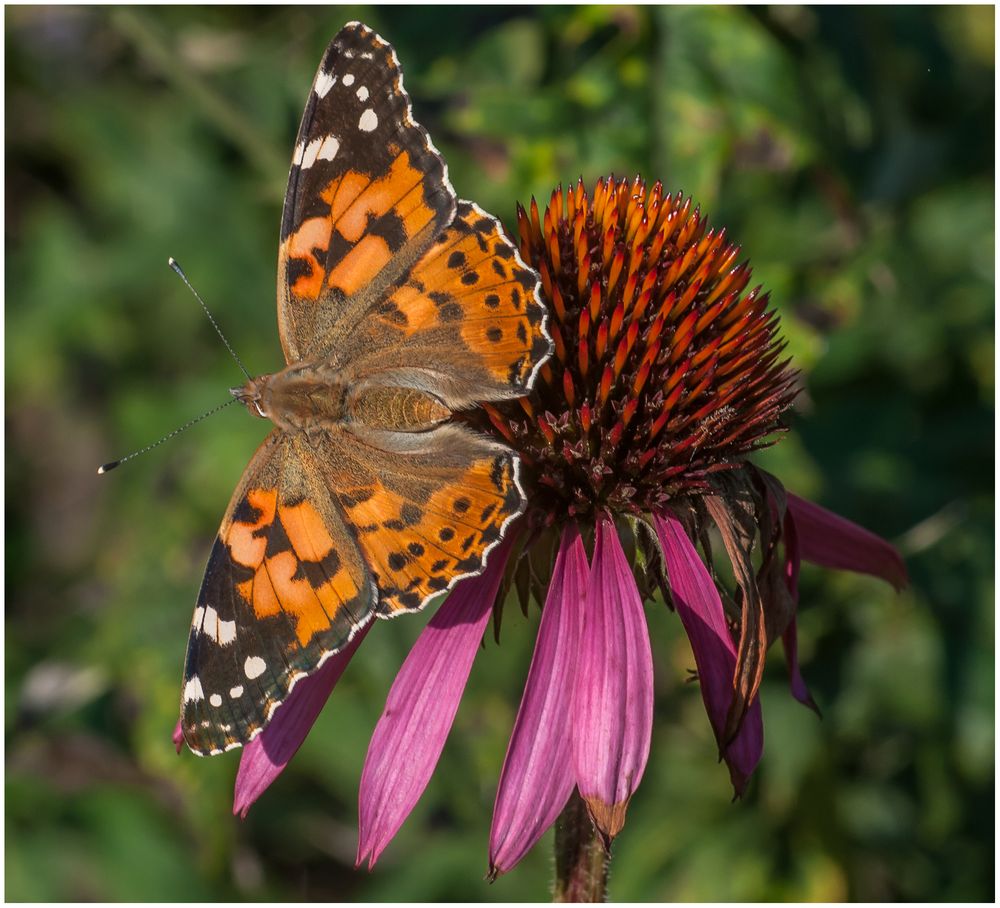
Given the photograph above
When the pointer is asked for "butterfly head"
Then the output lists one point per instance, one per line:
(251, 394)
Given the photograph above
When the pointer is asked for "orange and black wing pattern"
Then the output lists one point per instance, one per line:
(468, 315)
(426, 509)
(367, 194)
(285, 587)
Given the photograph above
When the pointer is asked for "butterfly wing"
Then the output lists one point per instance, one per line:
(367, 194)
(285, 586)
(426, 508)
(466, 323)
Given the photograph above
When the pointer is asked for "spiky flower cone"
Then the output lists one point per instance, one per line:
(665, 372)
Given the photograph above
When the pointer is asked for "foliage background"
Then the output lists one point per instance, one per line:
(850, 151)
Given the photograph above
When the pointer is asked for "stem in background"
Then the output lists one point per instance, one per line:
(225, 116)
(581, 858)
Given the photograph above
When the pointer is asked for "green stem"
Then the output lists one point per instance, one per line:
(581, 858)
(218, 110)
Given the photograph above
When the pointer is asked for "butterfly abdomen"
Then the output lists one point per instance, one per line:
(397, 409)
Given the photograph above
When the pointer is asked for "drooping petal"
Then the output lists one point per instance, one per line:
(613, 708)
(537, 777)
(832, 541)
(421, 707)
(267, 755)
(700, 610)
(737, 526)
(178, 737)
(790, 638)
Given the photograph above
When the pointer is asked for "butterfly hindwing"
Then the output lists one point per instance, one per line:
(367, 193)
(284, 587)
(467, 318)
(426, 508)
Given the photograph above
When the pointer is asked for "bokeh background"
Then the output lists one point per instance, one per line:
(850, 151)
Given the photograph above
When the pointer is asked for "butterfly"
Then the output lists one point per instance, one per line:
(399, 307)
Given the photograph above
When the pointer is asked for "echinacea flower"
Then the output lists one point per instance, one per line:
(667, 374)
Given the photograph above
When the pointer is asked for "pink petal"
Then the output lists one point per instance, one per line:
(614, 692)
(266, 756)
(537, 777)
(790, 638)
(700, 610)
(178, 737)
(830, 540)
(421, 707)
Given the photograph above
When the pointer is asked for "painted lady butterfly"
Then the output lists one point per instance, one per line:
(398, 306)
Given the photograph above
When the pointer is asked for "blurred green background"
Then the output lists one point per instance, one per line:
(849, 151)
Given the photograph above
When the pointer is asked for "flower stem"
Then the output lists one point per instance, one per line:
(581, 858)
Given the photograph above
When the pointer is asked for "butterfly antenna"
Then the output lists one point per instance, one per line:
(108, 467)
(172, 262)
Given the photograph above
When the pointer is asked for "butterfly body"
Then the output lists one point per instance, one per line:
(313, 397)
(399, 306)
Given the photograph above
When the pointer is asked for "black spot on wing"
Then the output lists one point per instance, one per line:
(397, 561)
(527, 279)
(318, 572)
(358, 496)
(246, 512)
(409, 600)
(390, 228)
(277, 539)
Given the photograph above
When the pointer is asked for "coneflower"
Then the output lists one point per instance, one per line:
(668, 372)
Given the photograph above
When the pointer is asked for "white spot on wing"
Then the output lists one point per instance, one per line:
(236, 692)
(215, 700)
(362, 93)
(368, 121)
(192, 690)
(254, 667)
(199, 614)
(297, 155)
(222, 631)
(324, 82)
(309, 155)
(348, 80)
(227, 632)
(329, 148)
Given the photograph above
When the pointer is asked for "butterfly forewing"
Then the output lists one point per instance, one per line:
(367, 193)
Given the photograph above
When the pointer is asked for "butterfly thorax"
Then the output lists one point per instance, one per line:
(307, 397)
